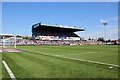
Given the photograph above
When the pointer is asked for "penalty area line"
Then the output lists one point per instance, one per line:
(9, 71)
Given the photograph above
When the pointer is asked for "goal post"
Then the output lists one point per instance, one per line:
(9, 42)
(14, 41)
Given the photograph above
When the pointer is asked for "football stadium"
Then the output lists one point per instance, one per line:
(57, 52)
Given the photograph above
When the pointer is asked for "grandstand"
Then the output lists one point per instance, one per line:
(55, 32)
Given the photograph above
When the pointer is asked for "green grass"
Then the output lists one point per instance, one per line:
(33, 64)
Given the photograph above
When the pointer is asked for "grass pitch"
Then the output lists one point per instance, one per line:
(32, 63)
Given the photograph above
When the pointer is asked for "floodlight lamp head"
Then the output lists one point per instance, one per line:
(104, 23)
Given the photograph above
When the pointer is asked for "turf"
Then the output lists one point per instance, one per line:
(32, 63)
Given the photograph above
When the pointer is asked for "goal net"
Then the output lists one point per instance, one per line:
(9, 42)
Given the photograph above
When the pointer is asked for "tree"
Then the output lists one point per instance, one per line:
(101, 39)
(109, 40)
(89, 39)
(18, 36)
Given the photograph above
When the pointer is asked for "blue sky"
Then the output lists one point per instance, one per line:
(18, 17)
(60, 0)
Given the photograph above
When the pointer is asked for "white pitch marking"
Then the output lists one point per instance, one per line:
(79, 59)
(9, 71)
(0, 50)
(81, 53)
(83, 60)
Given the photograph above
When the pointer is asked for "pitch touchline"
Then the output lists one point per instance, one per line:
(81, 53)
(77, 59)
(83, 60)
(9, 71)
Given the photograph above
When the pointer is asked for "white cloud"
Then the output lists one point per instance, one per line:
(103, 21)
(109, 19)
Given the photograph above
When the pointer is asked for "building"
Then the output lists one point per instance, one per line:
(5, 35)
(55, 32)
